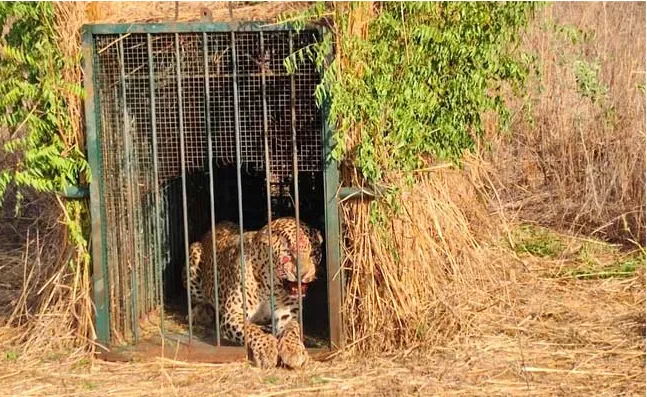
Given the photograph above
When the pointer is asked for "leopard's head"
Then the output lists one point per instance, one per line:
(308, 254)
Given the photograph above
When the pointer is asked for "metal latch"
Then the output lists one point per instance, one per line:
(76, 192)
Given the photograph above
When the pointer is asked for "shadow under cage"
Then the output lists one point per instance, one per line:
(190, 125)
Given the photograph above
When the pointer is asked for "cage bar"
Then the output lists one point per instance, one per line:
(295, 173)
(266, 147)
(239, 183)
(207, 94)
(100, 276)
(126, 124)
(185, 216)
(156, 187)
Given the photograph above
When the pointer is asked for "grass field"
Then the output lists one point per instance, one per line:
(569, 320)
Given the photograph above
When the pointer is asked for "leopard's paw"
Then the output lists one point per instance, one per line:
(264, 351)
(203, 315)
(292, 351)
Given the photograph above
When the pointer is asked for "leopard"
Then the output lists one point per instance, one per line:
(240, 320)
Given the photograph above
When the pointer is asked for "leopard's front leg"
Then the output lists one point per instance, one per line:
(194, 283)
(292, 351)
(203, 311)
(263, 346)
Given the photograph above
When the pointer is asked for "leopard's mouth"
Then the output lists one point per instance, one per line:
(292, 288)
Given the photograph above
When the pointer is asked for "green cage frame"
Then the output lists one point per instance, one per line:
(100, 279)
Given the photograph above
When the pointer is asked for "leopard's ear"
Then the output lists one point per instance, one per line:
(317, 235)
(314, 235)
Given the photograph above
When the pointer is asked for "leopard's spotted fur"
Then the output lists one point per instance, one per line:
(265, 348)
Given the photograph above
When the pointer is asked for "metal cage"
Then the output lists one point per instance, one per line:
(187, 125)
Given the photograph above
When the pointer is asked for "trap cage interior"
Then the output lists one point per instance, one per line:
(190, 125)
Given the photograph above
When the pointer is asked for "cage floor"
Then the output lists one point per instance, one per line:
(176, 325)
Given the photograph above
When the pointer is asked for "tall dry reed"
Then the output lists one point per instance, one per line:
(575, 157)
(416, 279)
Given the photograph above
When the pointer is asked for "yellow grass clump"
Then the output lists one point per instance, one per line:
(414, 278)
(45, 303)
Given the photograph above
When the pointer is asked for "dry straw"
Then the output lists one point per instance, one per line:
(46, 290)
(576, 159)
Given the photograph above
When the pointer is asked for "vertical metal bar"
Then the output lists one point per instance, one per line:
(334, 275)
(137, 219)
(149, 243)
(158, 251)
(267, 187)
(116, 187)
(122, 227)
(136, 204)
(239, 182)
(129, 181)
(152, 241)
(100, 281)
(147, 262)
(207, 92)
(138, 234)
(295, 176)
(178, 75)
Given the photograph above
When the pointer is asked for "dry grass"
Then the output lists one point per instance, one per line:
(540, 336)
(170, 11)
(425, 292)
(45, 302)
(570, 161)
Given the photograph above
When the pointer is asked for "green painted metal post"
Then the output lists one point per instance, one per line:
(97, 209)
(335, 279)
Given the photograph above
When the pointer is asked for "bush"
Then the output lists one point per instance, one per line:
(34, 96)
(413, 89)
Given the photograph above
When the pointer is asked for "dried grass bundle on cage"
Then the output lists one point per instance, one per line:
(414, 279)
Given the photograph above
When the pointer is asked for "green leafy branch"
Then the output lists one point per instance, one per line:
(426, 73)
(33, 101)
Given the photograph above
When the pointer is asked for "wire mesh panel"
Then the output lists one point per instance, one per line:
(165, 183)
(220, 76)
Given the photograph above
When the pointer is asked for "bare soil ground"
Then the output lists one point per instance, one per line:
(550, 336)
